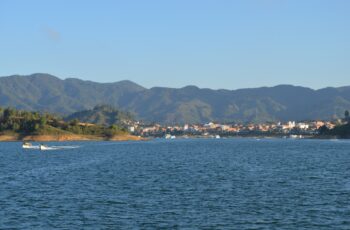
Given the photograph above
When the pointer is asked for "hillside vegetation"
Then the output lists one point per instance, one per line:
(43, 92)
(103, 115)
(340, 131)
(24, 123)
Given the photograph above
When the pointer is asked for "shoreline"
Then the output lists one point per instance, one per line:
(129, 137)
(66, 137)
(255, 137)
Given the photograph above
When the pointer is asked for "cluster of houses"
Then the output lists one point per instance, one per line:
(211, 128)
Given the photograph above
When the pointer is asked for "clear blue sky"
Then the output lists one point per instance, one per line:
(217, 44)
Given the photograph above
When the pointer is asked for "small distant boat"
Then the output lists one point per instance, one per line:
(217, 137)
(27, 145)
(44, 147)
(169, 136)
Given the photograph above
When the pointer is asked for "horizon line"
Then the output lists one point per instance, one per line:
(170, 87)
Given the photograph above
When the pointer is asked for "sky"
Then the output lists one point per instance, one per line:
(215, 44)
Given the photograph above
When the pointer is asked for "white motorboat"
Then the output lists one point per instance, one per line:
(169, 136)
(27, 145)
(44, 147)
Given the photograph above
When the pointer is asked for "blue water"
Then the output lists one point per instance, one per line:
(177, 184)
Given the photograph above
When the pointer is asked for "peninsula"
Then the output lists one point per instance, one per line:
(18, 125)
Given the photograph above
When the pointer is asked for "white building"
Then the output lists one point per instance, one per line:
(303, 126)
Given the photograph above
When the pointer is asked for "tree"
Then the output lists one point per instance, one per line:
(42, 121)
(113, 127)
(74, 122)
(8, 112)
(323, 130)
(15, 126)
(347, 117)
(36, 127)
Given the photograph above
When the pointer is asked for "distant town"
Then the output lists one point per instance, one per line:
(108, 123)
(290, 129)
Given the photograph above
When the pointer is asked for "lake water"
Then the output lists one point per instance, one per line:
(177, 184)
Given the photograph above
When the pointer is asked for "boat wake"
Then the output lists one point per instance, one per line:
(58, 147)
(32, 147)
(66, 147)
(45, 147)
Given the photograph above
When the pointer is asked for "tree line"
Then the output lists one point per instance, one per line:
(28, 122)
(342, 131)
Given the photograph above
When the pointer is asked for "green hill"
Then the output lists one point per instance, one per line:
(103, 115)
(34, 123)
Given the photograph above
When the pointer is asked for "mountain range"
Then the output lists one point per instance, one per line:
(190, 104)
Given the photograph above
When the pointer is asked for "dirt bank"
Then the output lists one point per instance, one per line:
(67, 137)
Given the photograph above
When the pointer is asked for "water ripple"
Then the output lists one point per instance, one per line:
(181, 184)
